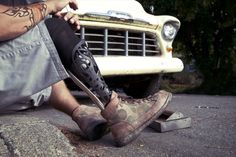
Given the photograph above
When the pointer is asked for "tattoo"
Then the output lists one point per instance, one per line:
(35, 13)
(17, 11)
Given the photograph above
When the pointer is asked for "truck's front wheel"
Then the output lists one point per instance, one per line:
(143, 86)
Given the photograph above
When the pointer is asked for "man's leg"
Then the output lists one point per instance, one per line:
(62, 99)
(125, 119)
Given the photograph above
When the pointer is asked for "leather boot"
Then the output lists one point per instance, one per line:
(90, 121)
(128, 118)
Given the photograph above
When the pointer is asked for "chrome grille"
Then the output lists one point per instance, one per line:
(103, 41)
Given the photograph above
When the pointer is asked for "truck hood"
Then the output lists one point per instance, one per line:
(120, 9)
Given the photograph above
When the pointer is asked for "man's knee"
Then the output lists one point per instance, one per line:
(56, 25)
(63, 38)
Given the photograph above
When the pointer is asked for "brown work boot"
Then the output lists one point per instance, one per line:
(128, 118)
(90, 121)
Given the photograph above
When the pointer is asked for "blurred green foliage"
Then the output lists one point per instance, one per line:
(207, 35)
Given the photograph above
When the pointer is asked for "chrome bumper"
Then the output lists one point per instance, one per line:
(121, 65)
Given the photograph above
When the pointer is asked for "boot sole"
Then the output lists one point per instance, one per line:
(97, 132)
(133, 135)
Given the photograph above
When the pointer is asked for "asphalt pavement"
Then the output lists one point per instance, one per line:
(47, 132)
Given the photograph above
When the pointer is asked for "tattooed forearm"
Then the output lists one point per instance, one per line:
(34, 13)
(18, 12)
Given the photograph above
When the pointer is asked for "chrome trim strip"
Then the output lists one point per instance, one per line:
(144, 43)
(126, 43)
(82, 32)
(105, 42)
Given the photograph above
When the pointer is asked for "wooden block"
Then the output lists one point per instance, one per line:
(169, 121)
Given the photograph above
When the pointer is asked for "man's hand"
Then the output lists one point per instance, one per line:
(70, 17)
(58, 5)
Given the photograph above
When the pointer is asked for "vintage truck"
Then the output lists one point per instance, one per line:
(131, 47)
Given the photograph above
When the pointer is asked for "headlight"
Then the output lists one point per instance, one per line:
(169, 31)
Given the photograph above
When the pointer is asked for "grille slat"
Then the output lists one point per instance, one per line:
(117, 43)
(132, 50)
(96, 49)
(134, 44)
(94, 42)
(95, 35)
(103, 41)
(116, 36)
(136, 38)
(115, 49)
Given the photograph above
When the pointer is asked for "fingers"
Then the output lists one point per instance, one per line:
(77, 24)
(59, 14)
(72, 19)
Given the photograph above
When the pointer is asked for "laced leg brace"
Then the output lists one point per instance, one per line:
(86, 69)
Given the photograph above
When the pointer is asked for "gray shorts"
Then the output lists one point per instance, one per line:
(28, 64)
(32, 101)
